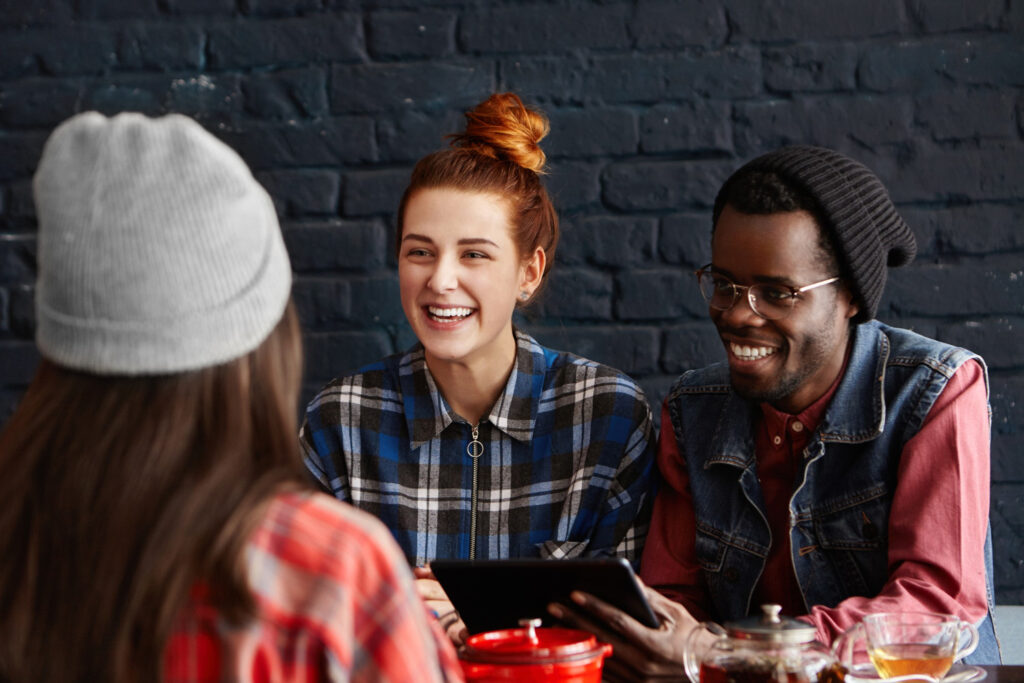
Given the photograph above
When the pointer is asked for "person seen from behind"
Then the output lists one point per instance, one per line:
(156, 523)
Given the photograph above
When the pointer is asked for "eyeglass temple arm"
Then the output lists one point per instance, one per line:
(815, 285)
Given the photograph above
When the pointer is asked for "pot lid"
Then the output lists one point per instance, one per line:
(530, 644)
(771, 627)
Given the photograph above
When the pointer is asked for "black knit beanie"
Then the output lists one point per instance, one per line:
(867, 230)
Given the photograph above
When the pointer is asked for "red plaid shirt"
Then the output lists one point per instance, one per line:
(336, 603)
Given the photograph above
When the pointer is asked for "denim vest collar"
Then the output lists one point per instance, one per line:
(856, 413)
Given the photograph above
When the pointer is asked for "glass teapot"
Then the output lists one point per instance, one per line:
(765, 649)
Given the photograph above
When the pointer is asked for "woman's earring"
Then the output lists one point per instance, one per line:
(524, 295)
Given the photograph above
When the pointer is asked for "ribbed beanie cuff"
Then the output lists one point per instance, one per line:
(158, 250)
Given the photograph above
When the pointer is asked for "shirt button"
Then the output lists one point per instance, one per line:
(777, 440)
(798, 426)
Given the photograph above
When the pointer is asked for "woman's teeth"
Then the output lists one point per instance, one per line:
(751, 352)
(448, 314)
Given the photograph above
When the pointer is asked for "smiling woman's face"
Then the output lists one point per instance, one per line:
(460, 275)
(793, 361)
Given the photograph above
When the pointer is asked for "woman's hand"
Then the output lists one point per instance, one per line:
(436, 599)
(648, 652)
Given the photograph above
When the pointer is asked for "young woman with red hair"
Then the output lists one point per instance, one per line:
(479, 442)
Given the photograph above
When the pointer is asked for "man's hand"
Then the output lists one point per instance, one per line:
(436, 599)
(650, 653)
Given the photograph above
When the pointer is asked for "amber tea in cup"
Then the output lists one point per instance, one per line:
(911, 643)
(904, 659)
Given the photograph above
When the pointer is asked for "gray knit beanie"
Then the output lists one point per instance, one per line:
(158, 250)
(867, 229)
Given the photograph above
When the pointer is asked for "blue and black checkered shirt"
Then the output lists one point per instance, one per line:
(567, 470)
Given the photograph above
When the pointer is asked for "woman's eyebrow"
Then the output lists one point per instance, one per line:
(417, 237)
(478, 240)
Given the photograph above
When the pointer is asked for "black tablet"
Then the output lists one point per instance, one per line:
(496, 594)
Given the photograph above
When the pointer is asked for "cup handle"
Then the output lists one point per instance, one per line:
(844, 647)
(971, 633)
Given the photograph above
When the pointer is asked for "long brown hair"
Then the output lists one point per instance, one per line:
(499, 153)
(120, 493)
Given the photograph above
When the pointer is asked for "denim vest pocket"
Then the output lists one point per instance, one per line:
(730, 566)
(854, 538)
(710, 550)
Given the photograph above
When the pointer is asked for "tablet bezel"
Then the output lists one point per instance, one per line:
(496, 594)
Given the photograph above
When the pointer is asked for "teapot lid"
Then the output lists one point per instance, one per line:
(530, 644)
(771, 627)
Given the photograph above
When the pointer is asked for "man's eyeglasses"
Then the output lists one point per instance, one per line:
(771, 302)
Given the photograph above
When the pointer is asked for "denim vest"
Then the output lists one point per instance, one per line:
(839, 511)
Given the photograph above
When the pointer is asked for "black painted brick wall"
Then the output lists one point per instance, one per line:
(652, 104)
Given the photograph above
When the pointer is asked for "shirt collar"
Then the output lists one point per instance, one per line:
(853, 409)
(427, 413)
(810, 417)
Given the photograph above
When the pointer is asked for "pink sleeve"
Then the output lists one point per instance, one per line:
(939, 515)
(669, 561)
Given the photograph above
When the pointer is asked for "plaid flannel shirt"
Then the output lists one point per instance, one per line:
(335, 602)
(567, 468)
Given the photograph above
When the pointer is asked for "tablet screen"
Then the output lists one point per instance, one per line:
(497, 594)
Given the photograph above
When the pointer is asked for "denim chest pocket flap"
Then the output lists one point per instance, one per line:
(857, 523)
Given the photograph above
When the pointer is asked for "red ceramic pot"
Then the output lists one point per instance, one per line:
(530, 653)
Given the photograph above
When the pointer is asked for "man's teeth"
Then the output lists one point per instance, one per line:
(751, 352)
(449, 313)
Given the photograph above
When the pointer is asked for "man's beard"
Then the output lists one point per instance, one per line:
(782, 389)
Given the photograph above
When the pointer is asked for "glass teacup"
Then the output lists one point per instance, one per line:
(908, 643)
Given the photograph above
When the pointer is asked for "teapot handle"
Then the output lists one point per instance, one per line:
(691, 658)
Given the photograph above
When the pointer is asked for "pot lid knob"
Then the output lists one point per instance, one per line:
(771, 614)
(531, 626)
(770, 625)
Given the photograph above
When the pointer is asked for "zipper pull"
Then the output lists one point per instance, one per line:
(475, 448)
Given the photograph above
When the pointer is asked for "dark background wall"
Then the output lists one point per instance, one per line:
(652, 104)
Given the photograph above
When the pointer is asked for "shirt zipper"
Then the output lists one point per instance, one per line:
(474, 450)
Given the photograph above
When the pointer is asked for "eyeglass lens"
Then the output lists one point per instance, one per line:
(768, 301)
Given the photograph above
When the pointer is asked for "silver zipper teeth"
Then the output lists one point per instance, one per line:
(472, 511)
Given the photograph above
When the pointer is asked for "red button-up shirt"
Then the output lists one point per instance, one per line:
(336, 602)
